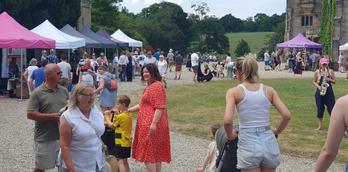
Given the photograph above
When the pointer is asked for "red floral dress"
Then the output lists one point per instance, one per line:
(155, 148)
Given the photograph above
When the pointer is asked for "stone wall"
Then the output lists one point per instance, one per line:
(297, 8)
(85, 20)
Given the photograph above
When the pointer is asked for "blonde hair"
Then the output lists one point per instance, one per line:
(214, 128)
(78, 88)
(248, 69)
(33, 62)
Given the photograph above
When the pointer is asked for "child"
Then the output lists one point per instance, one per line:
(122, 123)
(210, 158)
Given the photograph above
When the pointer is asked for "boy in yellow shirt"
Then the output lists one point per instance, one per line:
(122, 123)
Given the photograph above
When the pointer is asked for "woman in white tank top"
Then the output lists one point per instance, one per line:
(257, 146)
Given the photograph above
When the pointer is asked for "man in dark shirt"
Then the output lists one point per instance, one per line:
(179, 60)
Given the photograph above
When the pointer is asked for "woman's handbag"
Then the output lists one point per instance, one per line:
(110, 161)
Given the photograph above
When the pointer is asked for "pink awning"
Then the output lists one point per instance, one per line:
(14, 35)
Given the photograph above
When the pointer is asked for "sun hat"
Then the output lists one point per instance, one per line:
(324, 61)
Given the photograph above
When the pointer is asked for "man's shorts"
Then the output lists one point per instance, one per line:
(195, 69)
(178, 68)
(122, 152)
(257, 147)
(46, 154)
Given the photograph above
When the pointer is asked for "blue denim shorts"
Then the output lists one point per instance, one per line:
(257, 147)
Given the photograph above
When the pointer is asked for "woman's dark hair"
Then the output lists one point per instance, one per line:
(153, 70)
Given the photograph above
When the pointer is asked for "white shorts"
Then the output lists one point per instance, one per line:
(46, 154)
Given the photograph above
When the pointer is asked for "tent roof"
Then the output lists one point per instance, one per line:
(106, 43)
(299, 41)
(63, 40)
(105, 34)
(120, 36)
(14, 35)
(90, 43)
(343, 47)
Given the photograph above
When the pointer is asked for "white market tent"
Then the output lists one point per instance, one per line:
(343, 47)
(63, 40)
(120, 36)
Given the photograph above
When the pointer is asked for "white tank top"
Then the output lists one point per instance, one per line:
(253, 110)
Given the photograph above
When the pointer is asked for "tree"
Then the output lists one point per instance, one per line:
(104, 14)
(212, 38)
(32, 13)
(201, 9)
(231, 23)
(165, 26)
(242, 48)
(249, 25)
(276, 37)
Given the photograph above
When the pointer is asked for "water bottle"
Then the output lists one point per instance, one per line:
(346, 167)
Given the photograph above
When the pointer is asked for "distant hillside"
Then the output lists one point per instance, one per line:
(256, 40)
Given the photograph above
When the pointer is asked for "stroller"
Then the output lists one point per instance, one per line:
(227, 159)
(201, 77)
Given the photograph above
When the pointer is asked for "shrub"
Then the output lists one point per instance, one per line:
(242, 48)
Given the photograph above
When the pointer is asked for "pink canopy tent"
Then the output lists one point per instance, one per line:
(299, 41)
(14, 35)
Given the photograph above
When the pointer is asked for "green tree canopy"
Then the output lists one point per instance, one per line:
(34, 12)
(165, 25)
(212, 38)
(104, 14)
(242, 48)
(231, 23)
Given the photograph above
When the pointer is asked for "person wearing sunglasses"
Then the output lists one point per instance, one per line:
(43, 107)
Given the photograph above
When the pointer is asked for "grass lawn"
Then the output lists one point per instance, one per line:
(193, 108)
(256, 40)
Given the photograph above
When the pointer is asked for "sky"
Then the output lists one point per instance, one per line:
(238, 8)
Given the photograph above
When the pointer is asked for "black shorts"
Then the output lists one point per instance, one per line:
(121, 152)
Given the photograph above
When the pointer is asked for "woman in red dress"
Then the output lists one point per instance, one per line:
(151, 143)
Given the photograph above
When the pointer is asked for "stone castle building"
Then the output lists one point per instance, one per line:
(303, 16)
(85, 20)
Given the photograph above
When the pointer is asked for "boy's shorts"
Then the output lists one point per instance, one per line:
(195, 69)
(122, 152)
(46, 154)
(257, 147)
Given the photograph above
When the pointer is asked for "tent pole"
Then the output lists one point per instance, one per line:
(68, 55)
(21, 73)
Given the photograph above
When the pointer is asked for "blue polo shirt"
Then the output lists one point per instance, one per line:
(38, 76)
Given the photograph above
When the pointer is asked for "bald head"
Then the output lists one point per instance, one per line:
(51, 68)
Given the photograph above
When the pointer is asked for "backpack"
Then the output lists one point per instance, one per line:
(110, 83)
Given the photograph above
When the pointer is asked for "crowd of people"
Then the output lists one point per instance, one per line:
(70, 130)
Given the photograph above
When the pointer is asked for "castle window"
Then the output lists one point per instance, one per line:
(306, 20)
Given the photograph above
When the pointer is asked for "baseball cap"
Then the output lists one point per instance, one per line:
(102, 54)
(324, 61)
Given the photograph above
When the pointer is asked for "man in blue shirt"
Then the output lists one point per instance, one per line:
(38, 75)
(157, 54)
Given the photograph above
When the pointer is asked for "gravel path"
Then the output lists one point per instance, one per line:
(16, 136)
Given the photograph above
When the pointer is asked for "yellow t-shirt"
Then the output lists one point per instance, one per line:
(123, 129)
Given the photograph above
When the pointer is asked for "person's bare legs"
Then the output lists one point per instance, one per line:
(151, 167)
(265, 169)
(179, 75)
(123, 165)
(251, 170)
(158, 167)
(38, 170)
(320, 124)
